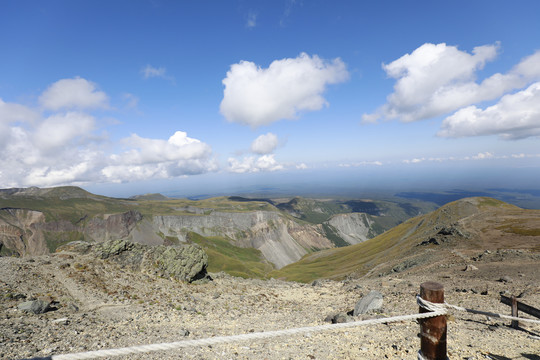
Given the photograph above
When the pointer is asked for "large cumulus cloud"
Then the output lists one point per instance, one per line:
(515, 116)
(437, 79)
(60, 142)
(258, 96)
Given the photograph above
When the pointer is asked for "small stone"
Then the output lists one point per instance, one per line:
(470, 268)
(62, 321)
(506, 279)
(342, 318)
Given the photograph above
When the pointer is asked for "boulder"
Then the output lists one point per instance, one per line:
(187, 262)
(35, 306)
(372, 301)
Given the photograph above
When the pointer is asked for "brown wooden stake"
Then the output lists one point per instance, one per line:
(432, 330)
(515, 323)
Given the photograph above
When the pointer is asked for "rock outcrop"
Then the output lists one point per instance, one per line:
(186, 262)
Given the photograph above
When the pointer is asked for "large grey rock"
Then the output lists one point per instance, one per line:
(187, 262)
(35, 306)
(372, 301)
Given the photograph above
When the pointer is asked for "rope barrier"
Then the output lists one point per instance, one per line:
(234, 338)
(435, 309)
(439, 306)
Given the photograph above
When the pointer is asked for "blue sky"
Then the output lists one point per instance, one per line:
(125, 97)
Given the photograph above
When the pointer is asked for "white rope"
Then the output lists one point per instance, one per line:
(438, 306)
(242, 337)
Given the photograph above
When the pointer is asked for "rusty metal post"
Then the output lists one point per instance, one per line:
(515, 323)
(432, 330)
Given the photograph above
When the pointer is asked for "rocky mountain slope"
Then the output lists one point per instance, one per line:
(36, 221)
(461, 227)
(90, 303)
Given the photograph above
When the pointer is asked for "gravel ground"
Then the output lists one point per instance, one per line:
(98, 305)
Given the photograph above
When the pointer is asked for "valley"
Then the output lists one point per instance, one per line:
(280, 231)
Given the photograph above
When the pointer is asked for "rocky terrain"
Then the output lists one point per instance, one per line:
(91, 295)
(95, 301)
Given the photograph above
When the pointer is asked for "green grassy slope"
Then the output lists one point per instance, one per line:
(236, 261)
(360, 258)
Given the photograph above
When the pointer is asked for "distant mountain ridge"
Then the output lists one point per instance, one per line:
(152, 196)
(63, 192)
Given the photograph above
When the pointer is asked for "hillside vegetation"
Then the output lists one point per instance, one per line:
(472, 224)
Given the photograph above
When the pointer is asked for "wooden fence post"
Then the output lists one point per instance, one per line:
(432, 330)
(515, 323)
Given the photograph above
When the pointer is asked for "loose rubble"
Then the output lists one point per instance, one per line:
(97, 303)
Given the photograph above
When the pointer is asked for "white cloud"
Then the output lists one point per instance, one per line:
(13, 113)
(361, 163)
(48, 176)
(285, 16)
(437, 79)
(254, 164)
(482, 156)
(515, 116)
(131, 101)
(255, 96)
(301, 166)
(251, 20)
(10, 112)
(73, 93)
(156, 158)
(178, 147)
(265, 144)
(59, 130)
(65, 147)
(414, 161)
(150, 72)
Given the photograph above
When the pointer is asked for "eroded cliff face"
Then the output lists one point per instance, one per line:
(19, 231)
(26, 232)
(354, 228)
(280, 240)
(112, 226)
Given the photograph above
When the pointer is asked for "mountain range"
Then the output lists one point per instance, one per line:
(295, 238)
